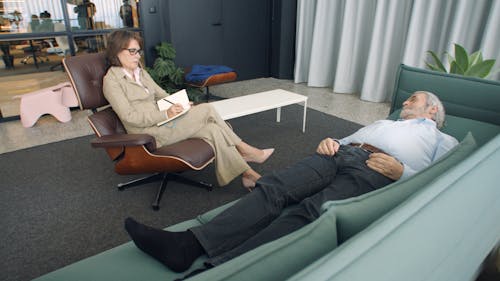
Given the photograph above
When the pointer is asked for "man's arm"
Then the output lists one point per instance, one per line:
(328, 147)
(380, 162)
(386, 165)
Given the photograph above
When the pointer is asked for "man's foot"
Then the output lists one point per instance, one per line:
(176, 250)
(259, 157)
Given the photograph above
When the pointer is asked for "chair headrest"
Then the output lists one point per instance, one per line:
(86, 73)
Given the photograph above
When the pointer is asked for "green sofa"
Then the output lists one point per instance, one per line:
(437, 225)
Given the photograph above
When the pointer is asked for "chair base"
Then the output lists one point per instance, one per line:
(52, 68)
(165, 177)
(209, 96)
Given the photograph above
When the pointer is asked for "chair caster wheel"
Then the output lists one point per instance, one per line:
(155, 207)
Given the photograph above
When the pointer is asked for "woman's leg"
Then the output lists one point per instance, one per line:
(248, 152)
(231, 152)
(228, 161)
(253, 154)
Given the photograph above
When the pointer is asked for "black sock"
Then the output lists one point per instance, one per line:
(176, 250)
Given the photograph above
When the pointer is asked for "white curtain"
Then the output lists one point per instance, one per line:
(356, 46)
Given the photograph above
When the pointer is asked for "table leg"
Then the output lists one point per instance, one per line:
(304, 118)
(33, 51)
(278, 114)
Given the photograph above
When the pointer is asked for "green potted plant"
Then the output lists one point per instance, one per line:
(167, 75)
(463, 63)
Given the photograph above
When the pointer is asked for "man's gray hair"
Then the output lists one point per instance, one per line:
(433, 100)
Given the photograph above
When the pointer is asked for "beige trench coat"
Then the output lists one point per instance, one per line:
(137, 109)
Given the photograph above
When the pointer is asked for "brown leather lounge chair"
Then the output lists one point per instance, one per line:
(132, 153)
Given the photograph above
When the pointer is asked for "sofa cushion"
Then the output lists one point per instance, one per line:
(280, 259)
(355, 214)
(458, 127)
(123, 263)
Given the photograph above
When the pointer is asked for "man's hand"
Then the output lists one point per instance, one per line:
(386, 165)
(328, 147)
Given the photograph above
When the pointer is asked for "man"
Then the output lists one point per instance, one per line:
(371, 158)
(85, 11)
(126, 14)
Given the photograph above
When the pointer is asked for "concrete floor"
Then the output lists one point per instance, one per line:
(14, 136)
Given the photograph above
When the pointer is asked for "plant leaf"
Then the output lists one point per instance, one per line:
(439, 64)
(455, 68)
(461, 57)
(450, 58)
(164, 71)
(481, 69)
(474, 58)
(166, 51)
(433, 67)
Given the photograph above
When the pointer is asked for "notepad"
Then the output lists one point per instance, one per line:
(177, 97)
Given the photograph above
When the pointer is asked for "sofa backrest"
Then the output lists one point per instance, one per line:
(462, 96)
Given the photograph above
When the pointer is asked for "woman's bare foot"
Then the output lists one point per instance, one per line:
(259, 156)
(249, 179)
(248, 183)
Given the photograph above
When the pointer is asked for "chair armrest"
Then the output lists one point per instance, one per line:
(123, 140)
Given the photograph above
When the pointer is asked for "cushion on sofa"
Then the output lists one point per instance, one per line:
(355, 214)
(280, 259)
(123, 263)
(458, 127)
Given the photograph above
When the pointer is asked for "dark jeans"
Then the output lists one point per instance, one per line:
(302, 187)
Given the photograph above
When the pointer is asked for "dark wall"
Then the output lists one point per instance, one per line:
(154, 26)
(256, 37)
(283, 38)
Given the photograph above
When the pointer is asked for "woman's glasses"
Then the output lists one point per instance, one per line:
(134, 51)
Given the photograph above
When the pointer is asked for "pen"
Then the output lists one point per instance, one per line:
(168, 101)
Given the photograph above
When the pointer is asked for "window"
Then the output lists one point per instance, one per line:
(102, 14)
(36, 34)
(33, 16)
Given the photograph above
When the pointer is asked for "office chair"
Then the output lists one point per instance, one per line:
(62, 48)
(34, 52)
(209, 80)
(132, 153)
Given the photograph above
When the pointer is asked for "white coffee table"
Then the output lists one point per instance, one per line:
(249, 104)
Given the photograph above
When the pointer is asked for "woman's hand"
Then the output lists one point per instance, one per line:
(174, 110)
(328, 147)
(386, 165)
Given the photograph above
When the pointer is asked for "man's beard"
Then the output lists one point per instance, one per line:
(411, 112)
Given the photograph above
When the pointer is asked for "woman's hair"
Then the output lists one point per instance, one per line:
(117, 41)
(433, 100)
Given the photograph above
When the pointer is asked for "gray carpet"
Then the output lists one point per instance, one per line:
(60, 204)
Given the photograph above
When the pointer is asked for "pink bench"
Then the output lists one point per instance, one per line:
(55, 101)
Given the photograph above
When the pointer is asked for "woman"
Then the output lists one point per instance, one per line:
(133, 94)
